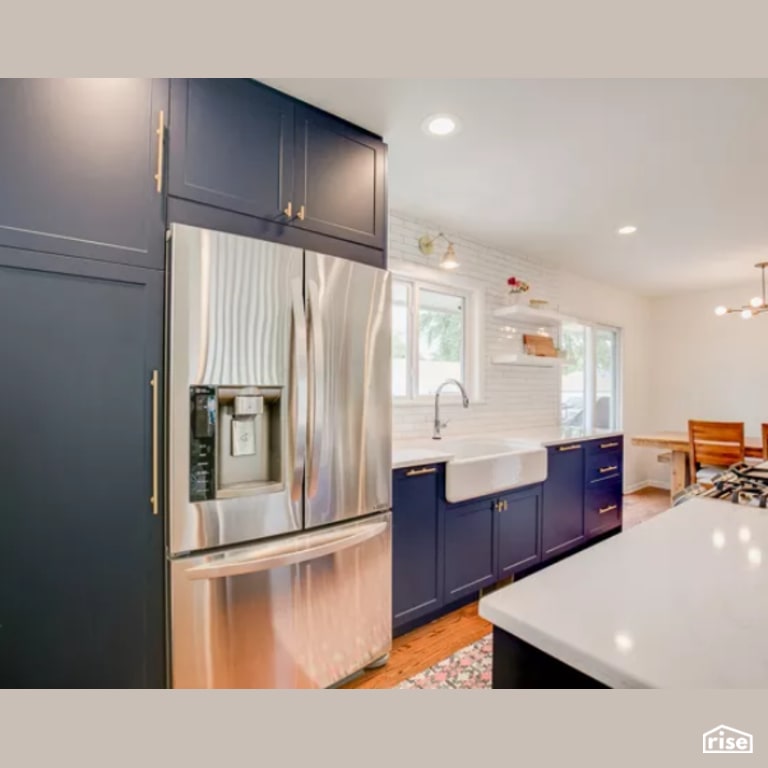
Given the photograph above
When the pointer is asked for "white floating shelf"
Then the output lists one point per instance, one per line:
(527, 314)
(533, 361)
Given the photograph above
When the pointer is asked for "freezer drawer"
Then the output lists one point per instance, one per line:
(304, 611)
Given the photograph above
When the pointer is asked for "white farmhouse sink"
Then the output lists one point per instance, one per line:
(482, 466)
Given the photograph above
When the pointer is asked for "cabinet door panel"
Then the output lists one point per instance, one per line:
(339, 179)
(81, 604)
(469, 556)
(517, 532)
(563, 499)
(78, 159)
(416, 551)
(231, 145)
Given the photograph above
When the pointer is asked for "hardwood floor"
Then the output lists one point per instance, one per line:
(415, 651)
(644, 504)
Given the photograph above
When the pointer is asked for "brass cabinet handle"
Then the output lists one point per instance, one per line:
(288, 210)
(300, 214)
(154, 500)
(569, 447)
(609, 445)
(500, 505)
(603, 470)
(611, 508)
(160, 145)
(422, 471)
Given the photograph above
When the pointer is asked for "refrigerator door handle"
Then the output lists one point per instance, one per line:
(255, 559)
(299, 411)
(317, 389)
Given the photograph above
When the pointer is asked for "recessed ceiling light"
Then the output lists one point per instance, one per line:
(440, 125)
(628, 230)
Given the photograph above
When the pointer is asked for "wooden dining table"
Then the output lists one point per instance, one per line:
(678, 447)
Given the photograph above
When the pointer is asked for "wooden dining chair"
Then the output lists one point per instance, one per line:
(714, 446)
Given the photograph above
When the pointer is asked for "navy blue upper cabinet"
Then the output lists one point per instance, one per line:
(243, 147)
(78, 159)
(417, 553)
(81, 598)
(518, 540)
(339, 172)
(232, 146)
(563, 499)
(469, 550)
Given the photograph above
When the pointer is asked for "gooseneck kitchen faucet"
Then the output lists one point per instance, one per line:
(464, 399)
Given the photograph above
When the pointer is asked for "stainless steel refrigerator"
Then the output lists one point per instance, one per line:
(279, 464)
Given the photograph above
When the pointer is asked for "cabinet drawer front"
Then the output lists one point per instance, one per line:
(606, 445)
(604, 466)
(603, 508)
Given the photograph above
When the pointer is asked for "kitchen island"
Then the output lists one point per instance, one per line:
(680, 601)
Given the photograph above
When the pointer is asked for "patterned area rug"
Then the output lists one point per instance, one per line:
(469, 667)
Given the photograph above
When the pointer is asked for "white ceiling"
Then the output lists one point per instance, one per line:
(551, 168)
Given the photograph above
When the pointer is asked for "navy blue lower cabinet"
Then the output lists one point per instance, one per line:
(81, 598)
(417, 552)
(563, 499)
(469, 550)
(517, 535)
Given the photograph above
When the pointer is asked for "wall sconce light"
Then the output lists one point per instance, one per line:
(448, 260)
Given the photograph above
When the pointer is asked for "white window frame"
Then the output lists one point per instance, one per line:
(590, 372)
(473, 293)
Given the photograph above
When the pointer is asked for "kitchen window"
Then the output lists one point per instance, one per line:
(590, 391)
(434, 338)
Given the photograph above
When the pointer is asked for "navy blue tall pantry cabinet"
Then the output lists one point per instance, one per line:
(81, 329)
(92, 172)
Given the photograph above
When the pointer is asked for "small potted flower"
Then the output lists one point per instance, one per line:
(516, 287)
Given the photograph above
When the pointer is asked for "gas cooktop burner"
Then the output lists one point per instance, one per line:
(740, 484)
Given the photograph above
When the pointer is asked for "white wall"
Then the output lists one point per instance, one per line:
(517, 397)
(707, 367)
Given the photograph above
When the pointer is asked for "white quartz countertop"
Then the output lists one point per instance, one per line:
(409, 453)
(679, 601)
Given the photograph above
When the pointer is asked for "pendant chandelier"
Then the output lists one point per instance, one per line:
(756, 306)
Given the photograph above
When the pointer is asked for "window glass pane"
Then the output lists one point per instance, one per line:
(400, 314)
(441, 339)
(605, 379)
(573, 396)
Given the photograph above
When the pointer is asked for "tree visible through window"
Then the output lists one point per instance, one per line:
(589, 389)
(428, 339)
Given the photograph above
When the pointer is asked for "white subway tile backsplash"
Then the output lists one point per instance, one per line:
(514, 396)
